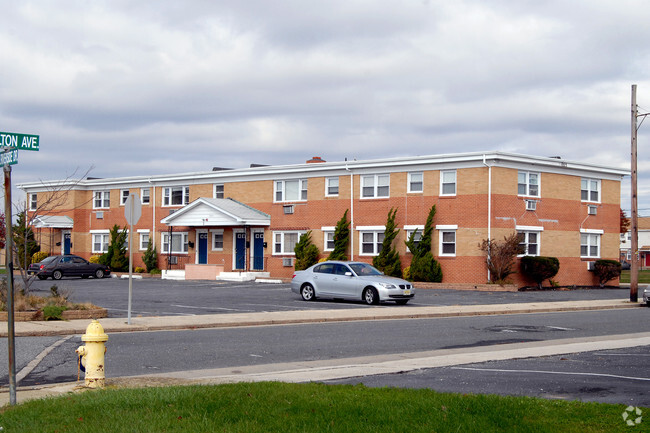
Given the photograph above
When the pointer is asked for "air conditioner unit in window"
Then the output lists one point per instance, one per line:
(173, 260)
(590, 266)
(288, 209)
(531, 205)
(99, 215)
(287, 261)
(592, 210)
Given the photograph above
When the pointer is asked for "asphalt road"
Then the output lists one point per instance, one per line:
(155, 297)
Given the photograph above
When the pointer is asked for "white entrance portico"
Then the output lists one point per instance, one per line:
(224, 237)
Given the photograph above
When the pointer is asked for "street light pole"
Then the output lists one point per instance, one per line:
(634, 267)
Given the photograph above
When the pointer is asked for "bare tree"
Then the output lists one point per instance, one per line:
(49, 203)
(500, 256)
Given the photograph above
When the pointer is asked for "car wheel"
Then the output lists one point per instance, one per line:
(99, 273)
(307, 292)
(42, 277)
(402, 302)
(371, 296)
(56, 275)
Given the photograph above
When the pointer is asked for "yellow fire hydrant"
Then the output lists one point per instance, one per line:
(92, 354)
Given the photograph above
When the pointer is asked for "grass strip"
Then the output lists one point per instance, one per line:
(281, 407)
(644, 276)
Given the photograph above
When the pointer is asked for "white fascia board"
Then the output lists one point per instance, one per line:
(369, 228)
(412, 227)
(447, 227)
(328, 228)
(529, 228)
(593, 231)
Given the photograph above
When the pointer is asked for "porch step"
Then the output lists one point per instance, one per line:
(242, 276)
(173, 274)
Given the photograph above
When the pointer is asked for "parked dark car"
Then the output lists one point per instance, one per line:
(67, 266)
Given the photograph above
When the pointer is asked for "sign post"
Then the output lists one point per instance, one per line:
(10, 143)
(132, 212)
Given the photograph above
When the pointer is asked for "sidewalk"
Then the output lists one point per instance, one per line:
(316, 370)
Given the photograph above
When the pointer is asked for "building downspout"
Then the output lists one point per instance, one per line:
(351, 211)
(489, 220)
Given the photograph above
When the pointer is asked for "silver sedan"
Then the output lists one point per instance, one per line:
(350, 280)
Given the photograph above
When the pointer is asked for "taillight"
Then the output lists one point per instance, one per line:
(41, 267)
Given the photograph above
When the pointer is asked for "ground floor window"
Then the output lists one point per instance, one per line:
(100, 242)
(144, 240)
(179, 243)
(217, 240)
(448, 242)
(528, 243)
(589, 245)
(285, 242)
(371, 242)
(418, 235)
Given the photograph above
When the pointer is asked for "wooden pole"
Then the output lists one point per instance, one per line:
(634, 268)
(9, 253)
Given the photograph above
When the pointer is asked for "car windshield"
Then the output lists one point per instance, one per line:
(364, 269)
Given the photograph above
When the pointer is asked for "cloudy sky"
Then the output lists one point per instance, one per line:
(133, 87)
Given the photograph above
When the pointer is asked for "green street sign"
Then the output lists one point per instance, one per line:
(9, 157)
(19, 141)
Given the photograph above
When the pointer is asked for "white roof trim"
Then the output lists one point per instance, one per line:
(530, 228)
(217, 212)
(447, 227)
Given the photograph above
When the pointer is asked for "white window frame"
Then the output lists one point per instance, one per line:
(527, 184)
(444, 182)
(142, 235)
(409, 230)
(414, 182)
(104, 241)
(104, 197)
(442, 229)
(375, 186)
(164, 240)
(218, 190)
(592, 237)
(376, 233)
(329, 181)
(527, 231)
(124, 197)
(588, 188)
(167, 195)
(213, 239)
(143, 195)
(33, 201)
(279, 240)
(280, 190)
(328, 236)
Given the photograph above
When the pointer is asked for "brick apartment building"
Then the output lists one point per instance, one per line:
(248, 220)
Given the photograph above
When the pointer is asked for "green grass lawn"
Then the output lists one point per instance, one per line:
(644, 277)
(280, 407)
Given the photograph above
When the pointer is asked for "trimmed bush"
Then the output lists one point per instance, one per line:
(539, 268)
(53, 312)
(606, 270)
(39, 256)
(139, 270)
(94, 259)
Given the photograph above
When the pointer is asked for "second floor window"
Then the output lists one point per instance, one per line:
(218, 190)
(448, 182)
(124, 196)
(176, 196)
(590, 190)
(375, 186)
(332, 186)
(291, 190)
(102, 200)
(145, 196)
(33, 202)
(528, 184)
(416, 183)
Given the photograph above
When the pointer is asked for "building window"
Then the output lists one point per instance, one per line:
(332, 186)
(145, 197)
(285, 242)
(528, 184)
(179, 243)
(217, 240)
(415, 182)
(447, 242)
(291, 190)
(590, 190)
(371, 242)
(144, 240)
(590, 245)
(33, 202)
(528, 243)
(328, 238)
(218, 190)
(448, 182)
(418, 235)
(100, 242)
(176, 196)
(102, 200)
(375, 186)
(124, 196)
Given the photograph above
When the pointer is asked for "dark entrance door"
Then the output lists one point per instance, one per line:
(67, 244)
(240, 250)
(203, 248)
(258, 251)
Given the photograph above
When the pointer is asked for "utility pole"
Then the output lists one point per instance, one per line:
(634, 268)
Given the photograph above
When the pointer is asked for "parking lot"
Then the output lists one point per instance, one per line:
(156, 297)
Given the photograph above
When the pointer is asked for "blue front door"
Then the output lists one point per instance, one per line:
(240, 250)
(67, 244)
(203, 248)
(258, 251)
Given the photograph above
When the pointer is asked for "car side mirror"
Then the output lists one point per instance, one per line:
(348, 274)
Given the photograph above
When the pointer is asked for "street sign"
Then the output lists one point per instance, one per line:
(9, 158)
(19, 141)
(133, 209)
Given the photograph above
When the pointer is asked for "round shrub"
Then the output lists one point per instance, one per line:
(94, 259)
(39, 256)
